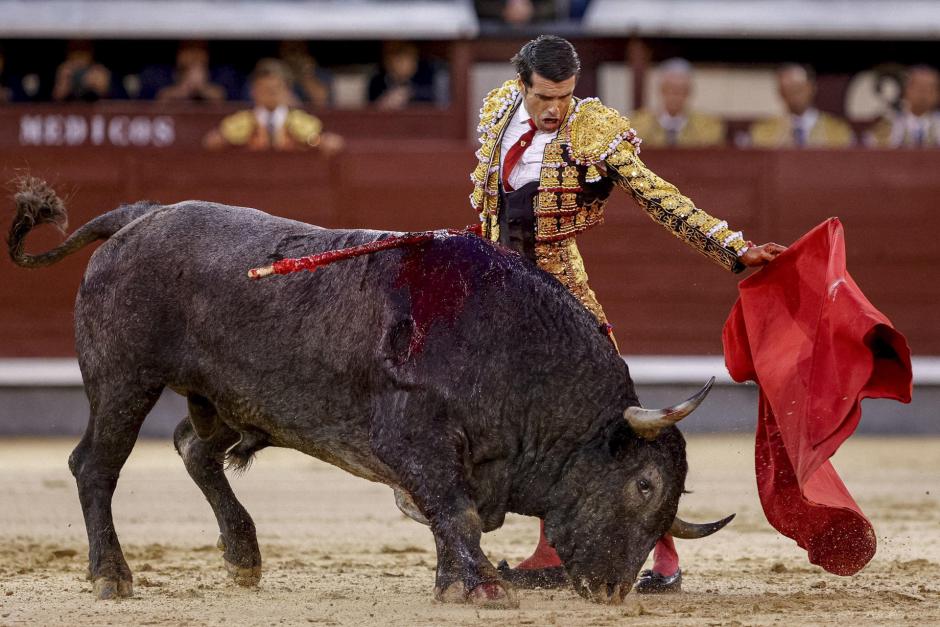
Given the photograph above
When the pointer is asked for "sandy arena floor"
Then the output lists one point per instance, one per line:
(337, 552)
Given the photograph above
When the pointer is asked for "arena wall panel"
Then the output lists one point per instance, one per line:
(662, 297)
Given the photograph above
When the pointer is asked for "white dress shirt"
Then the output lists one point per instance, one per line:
(914, 130)
(272, 121)
(529, 166)
(804, 123)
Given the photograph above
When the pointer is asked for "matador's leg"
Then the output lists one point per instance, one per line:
(564, 262)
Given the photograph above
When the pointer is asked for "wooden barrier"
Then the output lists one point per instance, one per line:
(662, 297)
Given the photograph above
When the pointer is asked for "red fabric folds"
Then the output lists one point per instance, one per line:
(803, 330)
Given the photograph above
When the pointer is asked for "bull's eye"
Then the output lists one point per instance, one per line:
(644, 486)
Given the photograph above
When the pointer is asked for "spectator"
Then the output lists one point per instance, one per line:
(191, 77)
(272, 124)
(803, 125)
(675, 124)
(79, 78)
(404, 78)
(917, 124)
(521, 12)
(158, 77)
(6, 93)
(312, 84)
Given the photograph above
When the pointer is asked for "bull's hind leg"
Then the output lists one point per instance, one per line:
(204, 460)
(117, 413)
(427, 457)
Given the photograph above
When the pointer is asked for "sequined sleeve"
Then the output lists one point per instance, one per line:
(600, 135)
(667, 206)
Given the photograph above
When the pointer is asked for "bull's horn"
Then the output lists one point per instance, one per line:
(647, 423)
(694, 531)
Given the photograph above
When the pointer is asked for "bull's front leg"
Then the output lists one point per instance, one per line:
(426, 455)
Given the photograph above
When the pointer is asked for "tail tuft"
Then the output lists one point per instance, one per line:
(36, 203)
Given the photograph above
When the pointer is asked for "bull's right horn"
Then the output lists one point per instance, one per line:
(647, 423)
(694, 531)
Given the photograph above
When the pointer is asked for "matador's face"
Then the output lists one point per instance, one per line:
(547, 101)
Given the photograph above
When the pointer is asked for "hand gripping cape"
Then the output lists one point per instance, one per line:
(805, 333)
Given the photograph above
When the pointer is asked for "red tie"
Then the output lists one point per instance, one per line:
(515, 153)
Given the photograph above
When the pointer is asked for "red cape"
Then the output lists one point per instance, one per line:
(803, 330)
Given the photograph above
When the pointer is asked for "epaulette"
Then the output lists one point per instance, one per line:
(496, 104)
(597, 131)
(303, 127)
(237, 128)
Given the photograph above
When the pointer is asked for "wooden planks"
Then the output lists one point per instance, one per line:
(663, 297)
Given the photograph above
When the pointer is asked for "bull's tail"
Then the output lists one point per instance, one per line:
(37, 203)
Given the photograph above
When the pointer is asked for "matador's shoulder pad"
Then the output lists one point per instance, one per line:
(597, 131)
(302, 126)
(237, 128)
(497, 103)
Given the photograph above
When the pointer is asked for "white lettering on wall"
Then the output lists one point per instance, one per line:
(31, 130)
(97, 130)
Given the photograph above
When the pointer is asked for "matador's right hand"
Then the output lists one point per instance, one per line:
(761, 255)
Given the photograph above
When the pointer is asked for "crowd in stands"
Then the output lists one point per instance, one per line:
(281, 86)
(522, 12)
(912, 122)
(400, 77)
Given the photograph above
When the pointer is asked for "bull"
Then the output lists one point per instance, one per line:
(454, 371)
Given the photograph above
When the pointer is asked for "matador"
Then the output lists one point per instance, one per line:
(547, 164)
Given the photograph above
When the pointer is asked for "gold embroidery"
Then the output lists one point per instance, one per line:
(563, 261)
(667, 206)
(591, 136)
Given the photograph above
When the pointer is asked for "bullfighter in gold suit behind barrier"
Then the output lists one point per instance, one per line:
(547, 164)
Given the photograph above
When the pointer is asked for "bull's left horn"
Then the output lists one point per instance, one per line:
(647, 423)
(694, 531)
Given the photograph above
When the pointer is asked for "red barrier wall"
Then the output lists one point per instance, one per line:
(662, 297)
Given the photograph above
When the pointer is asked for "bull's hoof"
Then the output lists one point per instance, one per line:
(106, 588)
(248, 577)
(492, 594)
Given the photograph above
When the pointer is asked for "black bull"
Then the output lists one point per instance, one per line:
(454, 371)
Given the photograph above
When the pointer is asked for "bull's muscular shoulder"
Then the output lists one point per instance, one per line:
(596, 131)
(237, 128)
(497, 103)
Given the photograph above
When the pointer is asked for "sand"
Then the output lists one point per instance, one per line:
(337, 552)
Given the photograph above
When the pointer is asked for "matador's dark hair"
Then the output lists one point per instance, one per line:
(548, 56)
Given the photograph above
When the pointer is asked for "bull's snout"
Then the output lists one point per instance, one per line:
(605, 586)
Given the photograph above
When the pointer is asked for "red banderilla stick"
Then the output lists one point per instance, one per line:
(318, 260)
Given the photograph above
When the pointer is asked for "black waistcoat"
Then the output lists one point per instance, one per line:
(517, 219)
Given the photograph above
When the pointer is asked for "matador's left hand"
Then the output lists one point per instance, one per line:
(761, 255)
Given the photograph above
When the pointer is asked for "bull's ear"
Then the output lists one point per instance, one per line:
(620, 439)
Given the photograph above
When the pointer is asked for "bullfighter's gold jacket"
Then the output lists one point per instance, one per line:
(594, 145)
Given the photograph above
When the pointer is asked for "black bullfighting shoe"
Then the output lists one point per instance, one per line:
(653, 583)
(532, 578)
